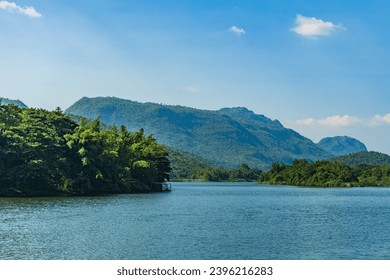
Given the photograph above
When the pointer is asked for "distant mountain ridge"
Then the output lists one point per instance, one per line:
(342, 145)
(6, 101)
(227, 137)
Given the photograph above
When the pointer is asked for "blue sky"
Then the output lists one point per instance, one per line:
(320, 67)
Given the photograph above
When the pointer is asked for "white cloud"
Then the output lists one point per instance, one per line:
(344, 121)
(312, 27)
(378, 119)
(237, 31)
(340, 121)
(13, 7)
(331, 121)
(193, 89)
(306, 122)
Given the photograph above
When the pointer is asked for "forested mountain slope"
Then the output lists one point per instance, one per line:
(228, 137)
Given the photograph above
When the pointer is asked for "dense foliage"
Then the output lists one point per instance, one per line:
(364, 158)
(326, 174)
(47, 153)
(218, 174)
(187, 167)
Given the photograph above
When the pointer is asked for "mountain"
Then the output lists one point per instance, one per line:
(364, 158)
(227, 137)
(185, 165)
(341, 145)
(6, 101)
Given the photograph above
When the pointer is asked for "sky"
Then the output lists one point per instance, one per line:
(319, 67)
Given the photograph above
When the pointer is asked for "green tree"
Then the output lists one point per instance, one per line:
(326, 174)
(46, 153)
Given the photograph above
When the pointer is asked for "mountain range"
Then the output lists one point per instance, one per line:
(227, 137)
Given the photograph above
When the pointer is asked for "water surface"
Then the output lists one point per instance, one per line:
(201, 221)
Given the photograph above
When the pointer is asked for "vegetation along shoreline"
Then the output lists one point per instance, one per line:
(45, 153)
(48, 153)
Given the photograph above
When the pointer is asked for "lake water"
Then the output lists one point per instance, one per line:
(201, 221)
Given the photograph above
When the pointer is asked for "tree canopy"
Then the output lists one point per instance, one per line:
(326, 174)
(46, 153)
(188, 167)
(364, 159)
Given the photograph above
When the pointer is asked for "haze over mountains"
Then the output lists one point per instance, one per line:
(227, 137)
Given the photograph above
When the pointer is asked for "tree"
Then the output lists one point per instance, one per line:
(327, 174)
(46, 153)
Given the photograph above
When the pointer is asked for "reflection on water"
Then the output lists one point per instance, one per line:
(201, 221)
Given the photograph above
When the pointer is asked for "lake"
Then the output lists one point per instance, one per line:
(201, 221)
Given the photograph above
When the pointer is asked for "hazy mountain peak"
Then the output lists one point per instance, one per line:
(342, 145)
(243, 113)
(6, 101)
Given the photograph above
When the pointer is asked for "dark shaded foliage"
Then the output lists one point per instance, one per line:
(187, 167)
